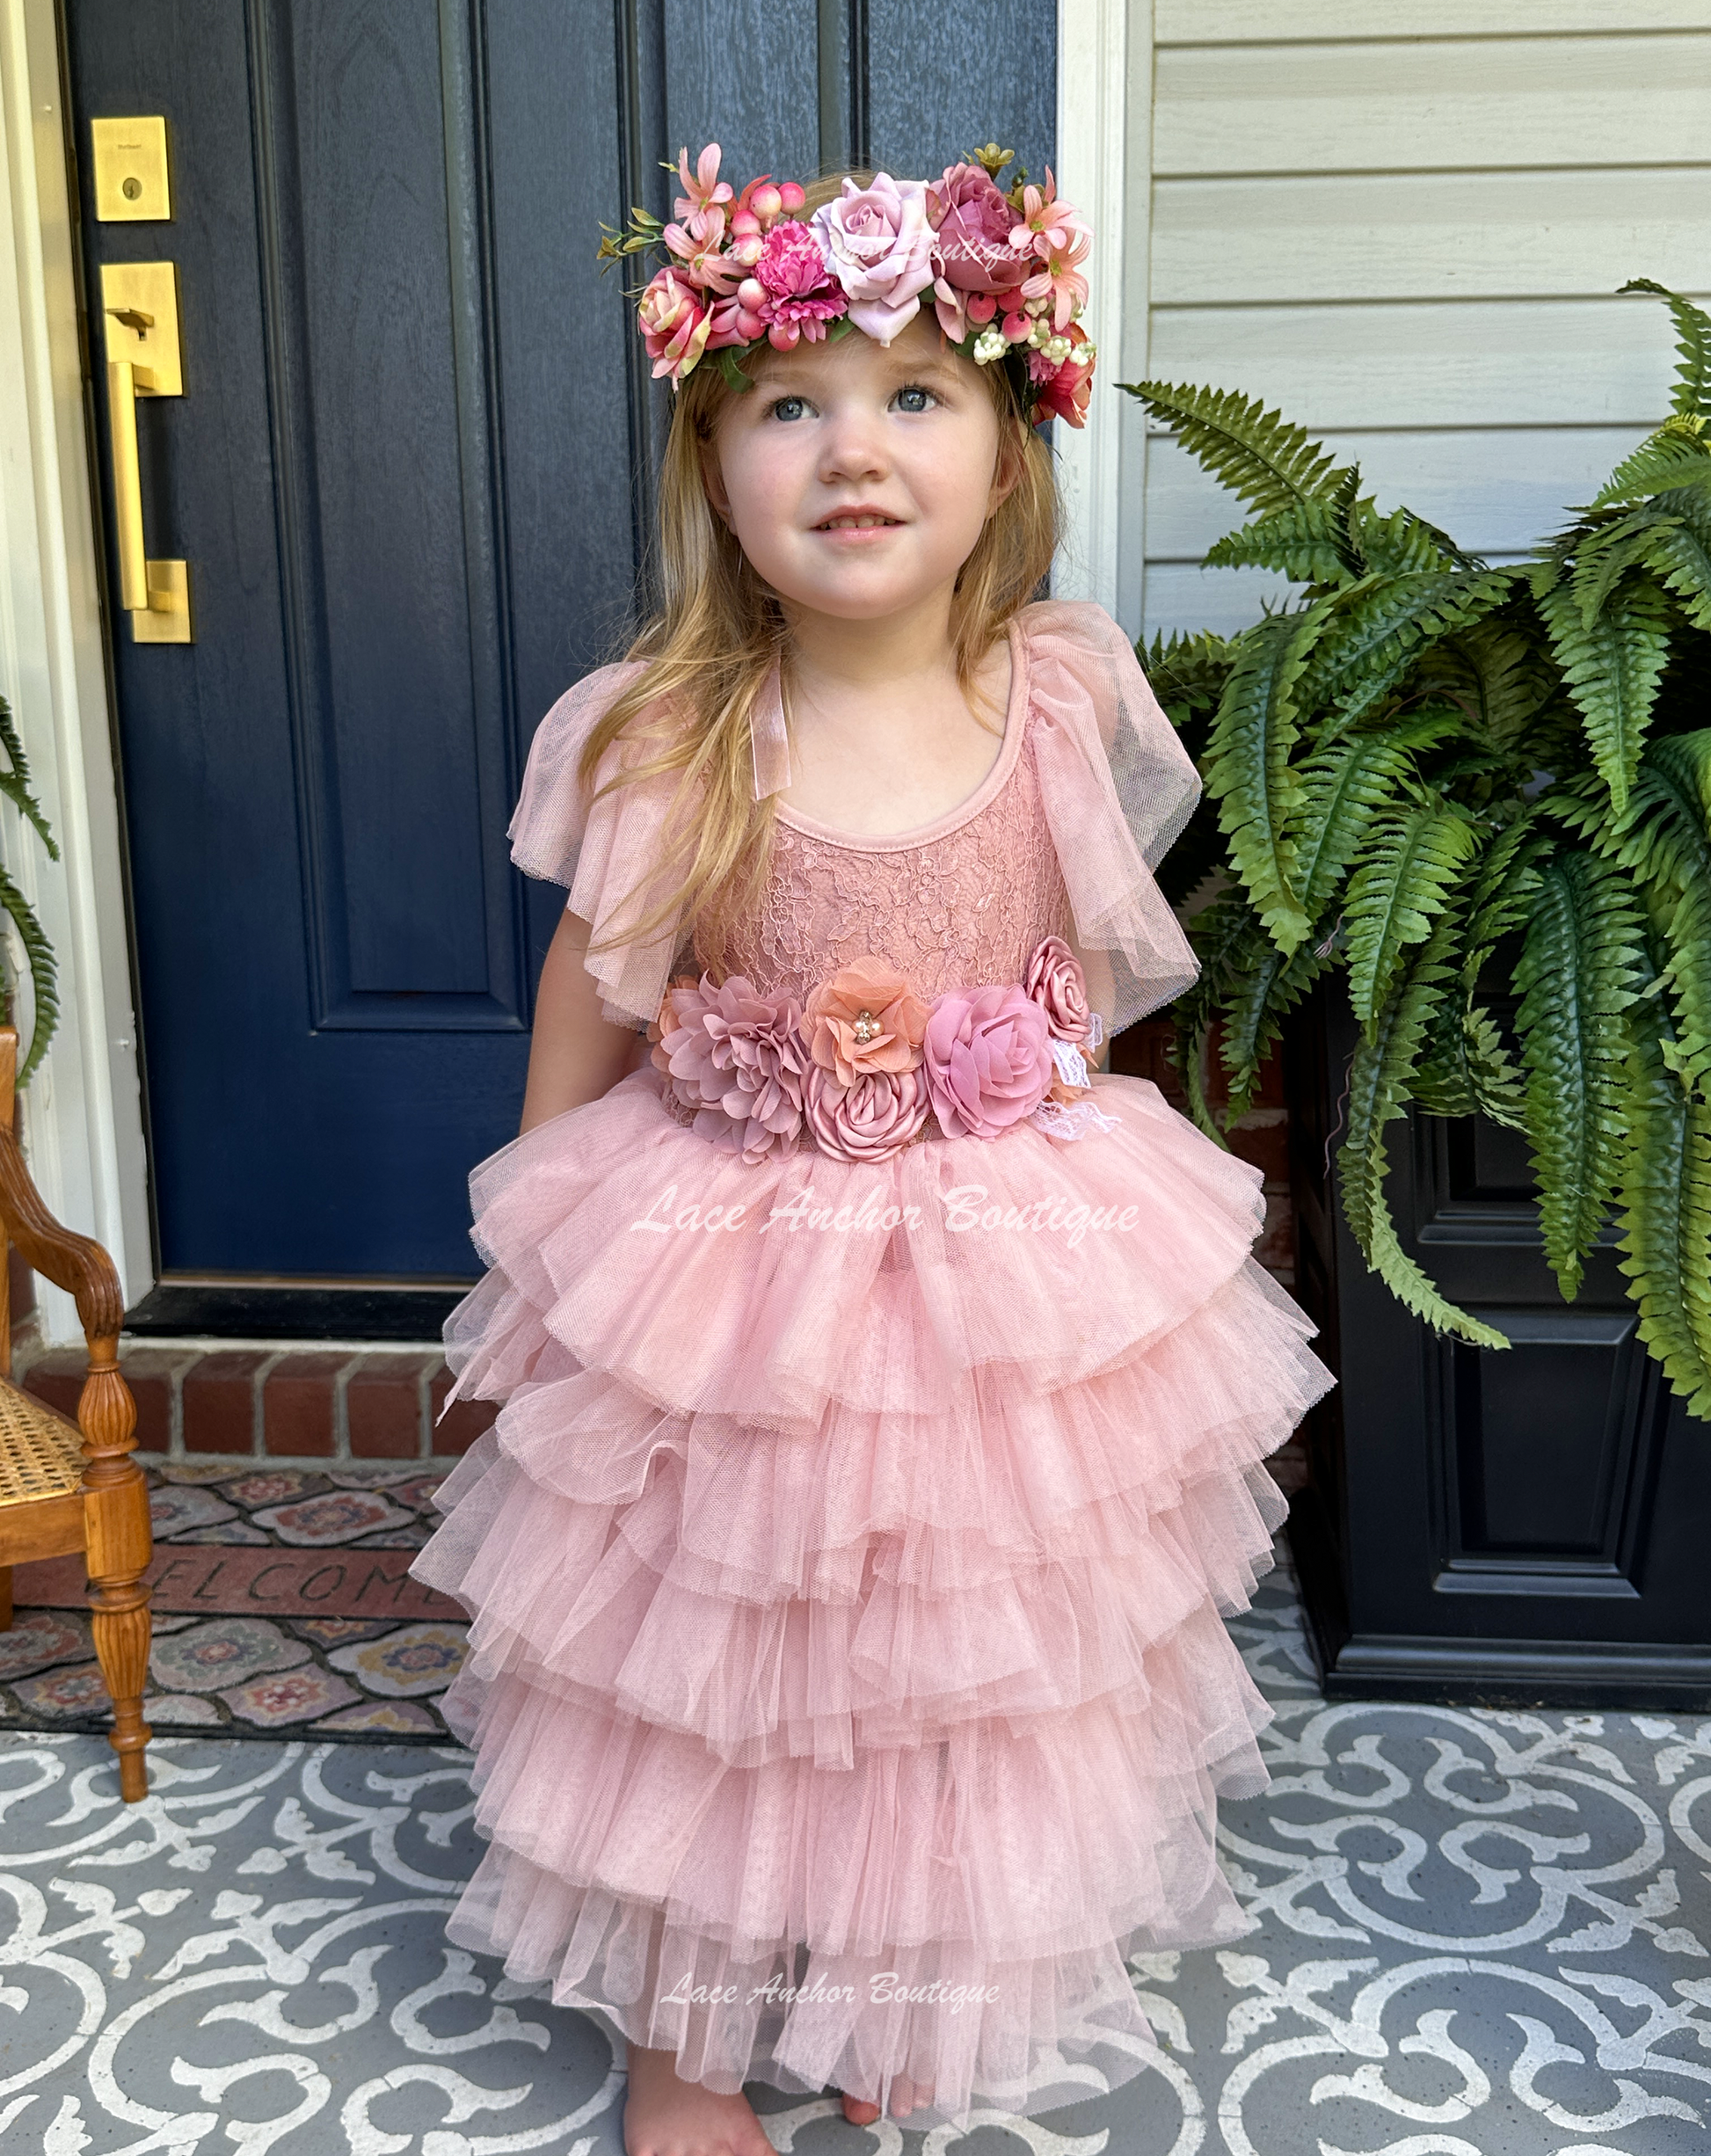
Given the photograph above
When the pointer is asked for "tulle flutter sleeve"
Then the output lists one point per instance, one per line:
(1117, 787)
(606, 855)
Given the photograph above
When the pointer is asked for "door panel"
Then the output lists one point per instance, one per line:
(408, 472)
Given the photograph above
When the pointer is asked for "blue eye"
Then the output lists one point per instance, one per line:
(788, 408)
(915, 398)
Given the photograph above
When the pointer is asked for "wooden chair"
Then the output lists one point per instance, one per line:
(68, 1487)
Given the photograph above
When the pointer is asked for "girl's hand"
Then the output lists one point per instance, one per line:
(577, 1054)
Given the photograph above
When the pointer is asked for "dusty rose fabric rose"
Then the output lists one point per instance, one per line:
(880, 247)
(987, 1057)
(738, 1058)
(972, 241)
(877, 1116)
(1055, 980)
(833, 1010)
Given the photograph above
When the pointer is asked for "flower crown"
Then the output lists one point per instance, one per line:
(1004, 272)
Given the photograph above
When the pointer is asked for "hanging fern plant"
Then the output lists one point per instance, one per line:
(37, 952)
(1420, 764)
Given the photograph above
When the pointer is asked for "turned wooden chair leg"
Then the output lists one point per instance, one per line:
(5, 1598)
(120, 1622)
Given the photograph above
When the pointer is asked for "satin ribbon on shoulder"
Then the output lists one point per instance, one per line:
(769, 739)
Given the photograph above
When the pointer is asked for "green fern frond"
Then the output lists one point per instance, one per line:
(1187, 674)
(1302, 542)
(1663, 1203)
(1403, 543)
(1577, 973)
(1504, 890)
(1680, 551)
(1344, 789)
(1612, 666)
(1228, 941)
(1610, 553)
(44, 975)
(1508, 679)
(1664, 839)
(1686, 981)
(1404, 881)
(1257, 455)
(1692, 328)
(1254, 1011)
(1250, 773)
(1662, 460)
(1378, 1081)
(15, 782)
(1379, 629)
(1498, 1086)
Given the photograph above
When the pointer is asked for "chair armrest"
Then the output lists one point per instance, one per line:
(78, 1264)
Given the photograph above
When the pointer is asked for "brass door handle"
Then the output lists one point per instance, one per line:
(140, 304)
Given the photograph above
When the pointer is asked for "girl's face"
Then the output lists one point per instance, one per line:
(857, 478)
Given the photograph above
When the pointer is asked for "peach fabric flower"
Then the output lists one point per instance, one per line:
(866, 1017)
(877, 1116)
(1055, 980)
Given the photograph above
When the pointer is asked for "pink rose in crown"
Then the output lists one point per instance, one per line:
(737, 1059)
(972, 221)
(866, 1017)
(880, 246)
(987, 1057)
(790, 292)
(674, 325)
(1055, 980)
(869, 1120)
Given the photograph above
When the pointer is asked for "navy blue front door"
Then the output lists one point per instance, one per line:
(408, 473)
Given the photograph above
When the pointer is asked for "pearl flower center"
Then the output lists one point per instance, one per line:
(865, 1027)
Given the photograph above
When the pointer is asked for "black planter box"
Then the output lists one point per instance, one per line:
(1514, 1527)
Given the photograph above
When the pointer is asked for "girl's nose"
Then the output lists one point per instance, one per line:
(853, 448)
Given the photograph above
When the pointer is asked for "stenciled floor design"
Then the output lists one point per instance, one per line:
(1475, 1934)
(301, 1637)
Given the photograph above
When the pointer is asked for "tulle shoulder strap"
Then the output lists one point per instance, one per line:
(605, 852)
(1117, 787)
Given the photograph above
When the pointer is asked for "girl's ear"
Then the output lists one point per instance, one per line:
(1007, 472)
(712, 480)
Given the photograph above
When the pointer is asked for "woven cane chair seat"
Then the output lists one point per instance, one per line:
(41, 1454)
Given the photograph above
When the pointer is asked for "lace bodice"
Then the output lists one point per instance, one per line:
(955, 904)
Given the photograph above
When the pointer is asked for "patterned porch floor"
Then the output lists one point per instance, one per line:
(1475, 1934)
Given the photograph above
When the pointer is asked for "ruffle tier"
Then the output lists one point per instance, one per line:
(814, 1572)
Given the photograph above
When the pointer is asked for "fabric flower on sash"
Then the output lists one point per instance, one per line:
(988, 1056)
(737, 1059)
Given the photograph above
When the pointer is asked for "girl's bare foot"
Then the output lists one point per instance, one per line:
(906, 2096)
(666, 2115)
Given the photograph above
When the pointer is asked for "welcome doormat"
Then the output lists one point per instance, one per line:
(282, 1605)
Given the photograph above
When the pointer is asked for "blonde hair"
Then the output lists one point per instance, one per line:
(708, 651)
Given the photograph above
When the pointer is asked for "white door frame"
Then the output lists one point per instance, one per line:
(83, 1119)
(1104, 168)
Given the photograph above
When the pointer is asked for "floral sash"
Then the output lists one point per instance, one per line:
(867, 1066)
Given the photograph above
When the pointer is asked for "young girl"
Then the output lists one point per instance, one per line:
(884, 1393)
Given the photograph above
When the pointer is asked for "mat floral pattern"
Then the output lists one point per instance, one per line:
(353, 1680)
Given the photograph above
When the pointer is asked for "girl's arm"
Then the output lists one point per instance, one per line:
(577, 1054)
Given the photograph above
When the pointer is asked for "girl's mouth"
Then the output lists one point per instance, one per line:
(860, 519)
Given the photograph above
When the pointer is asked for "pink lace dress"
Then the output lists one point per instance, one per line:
(847, 1681)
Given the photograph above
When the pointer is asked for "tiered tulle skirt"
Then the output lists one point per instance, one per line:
(847, 1678)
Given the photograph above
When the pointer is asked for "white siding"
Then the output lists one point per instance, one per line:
(1403, 221)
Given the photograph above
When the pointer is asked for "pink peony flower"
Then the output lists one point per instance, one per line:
(674, 325)
(877, 1116)
(866, 1017)
(1055, 980)
(738, 1058)
(880, 247)
(792, 293)
(1066, 389)
(987, 1057)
